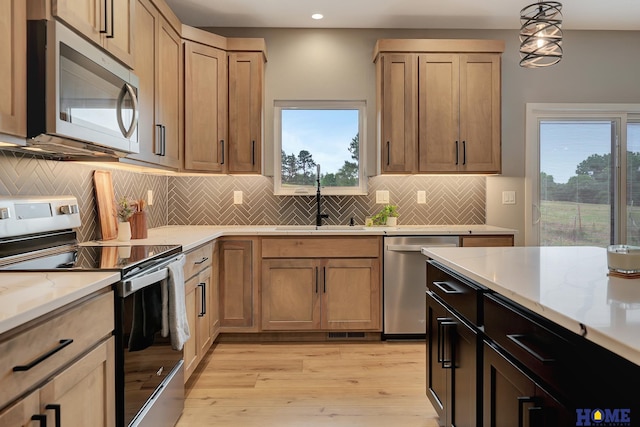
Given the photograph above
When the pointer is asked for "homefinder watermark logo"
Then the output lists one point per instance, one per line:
(603, 417)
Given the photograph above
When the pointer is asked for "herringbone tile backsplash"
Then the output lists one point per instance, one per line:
(205, 199)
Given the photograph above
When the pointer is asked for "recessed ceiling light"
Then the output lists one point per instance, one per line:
(317, 16)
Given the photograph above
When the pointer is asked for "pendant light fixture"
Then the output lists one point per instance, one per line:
(541, 34)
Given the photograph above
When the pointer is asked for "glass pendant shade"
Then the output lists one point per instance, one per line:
(541, 34)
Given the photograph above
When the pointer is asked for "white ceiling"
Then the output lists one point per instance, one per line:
(421, 14)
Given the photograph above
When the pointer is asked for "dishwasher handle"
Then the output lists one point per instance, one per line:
(418, 248)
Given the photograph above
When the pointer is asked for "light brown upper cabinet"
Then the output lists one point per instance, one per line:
(439, 103)
(246, 75)
(108, 23)
(158, 65)
(205, 107)
(13, 67)
(224, 93)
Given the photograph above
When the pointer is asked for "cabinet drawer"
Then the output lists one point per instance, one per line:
(322, 247)
(33, 355)
(197, 260)
(464, 297)
(529, 341)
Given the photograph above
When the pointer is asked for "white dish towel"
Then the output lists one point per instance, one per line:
(174, 309)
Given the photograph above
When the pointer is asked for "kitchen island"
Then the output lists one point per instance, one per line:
(545, 332)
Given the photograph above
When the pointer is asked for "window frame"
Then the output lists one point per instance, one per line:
(279, 106)
(621, 114)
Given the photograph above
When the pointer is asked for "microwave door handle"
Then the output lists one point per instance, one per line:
(127, 88)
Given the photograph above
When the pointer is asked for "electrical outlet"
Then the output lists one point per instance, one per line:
(508, 197)
(149, 197)
(237, 197)
(382, 196)
(422, 197)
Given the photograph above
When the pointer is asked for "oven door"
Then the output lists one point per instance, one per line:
(150, 378)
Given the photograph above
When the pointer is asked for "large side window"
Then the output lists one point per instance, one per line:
(583, 174)
(324, 135)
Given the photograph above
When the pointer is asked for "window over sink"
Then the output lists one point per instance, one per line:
(325, 133)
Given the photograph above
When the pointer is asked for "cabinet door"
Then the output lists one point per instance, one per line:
(236, 283)
(399, 111)
(85, 391)
(147, 24)
(20, 413)
(480, 112)
(119, 38)
(214, 293)
(246, 75)
(168, 98)
(13, 68)
(486, 241)
(350, 294)
(509, 395)
(203, 331)
(437, 374)
(205, 107)
(438, 103)
(290, 294)
(190, 349)
(89, 17)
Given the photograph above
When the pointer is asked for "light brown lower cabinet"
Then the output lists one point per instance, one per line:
(201, 300)
(321, 294)
(236, 285)
(487, 241)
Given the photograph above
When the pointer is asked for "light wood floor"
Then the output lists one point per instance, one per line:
(370, 384)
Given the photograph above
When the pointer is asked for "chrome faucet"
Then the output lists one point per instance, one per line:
(319, 216)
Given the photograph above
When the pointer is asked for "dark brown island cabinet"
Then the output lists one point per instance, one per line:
(493, 363)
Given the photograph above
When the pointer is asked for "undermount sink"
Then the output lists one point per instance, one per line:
(321, 228)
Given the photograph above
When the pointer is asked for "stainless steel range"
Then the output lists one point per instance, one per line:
(36, 234)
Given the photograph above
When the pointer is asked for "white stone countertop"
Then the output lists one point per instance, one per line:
(27, 296)
(191, 236)
(567, 285)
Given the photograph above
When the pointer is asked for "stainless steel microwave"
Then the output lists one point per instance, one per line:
(80, 101)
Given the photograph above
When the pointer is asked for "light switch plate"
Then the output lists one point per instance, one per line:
(508, 197)
(422, 197)
(382, 196)
(237, 197)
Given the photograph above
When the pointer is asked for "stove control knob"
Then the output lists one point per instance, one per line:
(4, 213)
(69, 209)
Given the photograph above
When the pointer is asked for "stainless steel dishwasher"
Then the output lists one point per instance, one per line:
(405, 280)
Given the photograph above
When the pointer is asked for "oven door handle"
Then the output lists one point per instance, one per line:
(134, 284)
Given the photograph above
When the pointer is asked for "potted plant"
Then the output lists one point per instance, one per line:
(387, 216)
(125, 208)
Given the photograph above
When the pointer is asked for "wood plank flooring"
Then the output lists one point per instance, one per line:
(372, 384)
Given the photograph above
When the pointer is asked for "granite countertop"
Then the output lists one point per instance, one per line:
(191, 236)
(27, 296)
(567, 285)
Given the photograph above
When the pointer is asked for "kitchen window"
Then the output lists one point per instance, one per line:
(325, 133)
(583, 174)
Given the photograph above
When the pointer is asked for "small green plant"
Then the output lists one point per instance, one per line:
(387, 211)
(125, 208)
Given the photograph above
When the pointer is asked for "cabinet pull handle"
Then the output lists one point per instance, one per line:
(62, 344)
(447, 288)
(316, 280)
(521, 401)
(204, 258)
(388, 153)
(518, 340)
(42, 419)
(442, 322)
(164, 141)
(57, 409)
(157, 149)
(110, 36)
(222, 149)
(105, 19)
(324, 279)
(457, 153)
(448, 329)
(464, 152)
(203, 300)
(253, 153)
